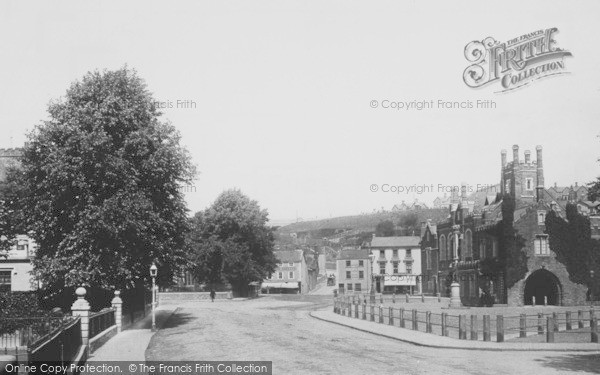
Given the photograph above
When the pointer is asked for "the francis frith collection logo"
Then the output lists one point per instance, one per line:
(514, 63)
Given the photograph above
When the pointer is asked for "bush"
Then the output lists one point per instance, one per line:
(16, 307)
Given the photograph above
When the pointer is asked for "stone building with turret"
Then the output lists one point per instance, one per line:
(468, 244)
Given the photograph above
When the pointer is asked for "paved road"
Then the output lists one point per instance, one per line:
(279, 329)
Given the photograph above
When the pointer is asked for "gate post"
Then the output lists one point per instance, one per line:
(117, 304)
(81, 308)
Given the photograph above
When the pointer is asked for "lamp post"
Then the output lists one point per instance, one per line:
(153, 273)
(372, 291)
(592, 287)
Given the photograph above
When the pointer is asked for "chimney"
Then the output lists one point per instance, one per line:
(540, 173)
(527, 156)
(503, 161)
(576, 184)
(516, 154)
(463, 191)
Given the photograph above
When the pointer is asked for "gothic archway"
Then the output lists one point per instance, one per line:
(543, 283)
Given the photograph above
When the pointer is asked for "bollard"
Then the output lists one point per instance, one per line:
(394, 297)
(428, 322)
(592, 315)
(580, 319)
(549, 329)
(381, 298)
(117, 304)
(415, 323)
(462, 327)
(540, 324)
(364, 312)
(444, 324)
(555, 320)
(439, 296)
(499, 328)
(568, 319)
(533, 301)
(487, 336)
(356, 310)
(401, 318)
(391, 315)
(474, 327)
(380, 313)
(407, 298)
(523, 326)
(594, 330)
(372, 313)
(545, 300)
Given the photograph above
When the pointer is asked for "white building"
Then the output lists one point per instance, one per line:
(397, 264)
(16, 267)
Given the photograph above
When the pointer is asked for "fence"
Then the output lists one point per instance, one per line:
(62, 345)
(472, 327)
(101, 321)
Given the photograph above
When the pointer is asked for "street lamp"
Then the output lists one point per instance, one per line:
(153, 273)
(592, 288)
(372, 291)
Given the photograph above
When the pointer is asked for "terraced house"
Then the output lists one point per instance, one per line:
(354, 274)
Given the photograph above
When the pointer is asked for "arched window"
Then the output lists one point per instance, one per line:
(468, 244)
(451, 247)
(442, 247)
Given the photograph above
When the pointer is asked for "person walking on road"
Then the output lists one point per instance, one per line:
(212, 295)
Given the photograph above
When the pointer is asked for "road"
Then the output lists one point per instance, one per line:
(278, 328)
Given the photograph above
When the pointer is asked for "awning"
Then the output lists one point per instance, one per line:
(293, 285)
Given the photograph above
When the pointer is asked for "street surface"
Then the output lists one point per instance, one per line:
(278, 328)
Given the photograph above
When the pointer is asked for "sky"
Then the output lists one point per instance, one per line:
(284, 91)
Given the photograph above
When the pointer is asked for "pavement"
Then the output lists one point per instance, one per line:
(130, 345)
(441, 342)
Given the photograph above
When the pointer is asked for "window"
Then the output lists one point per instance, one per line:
(408, 253)
(348, 275)
(361, 263)
(341, 287)
(541, 217)
(382, 268)
(428, 258)
(5, 281)
(348, 263)
(361, 274)
(482, 248)
(507, 187)
(468, 244)
(395, 268)
(280, 275)
(529, 184)
(494, 248)
(541, 245)
(357, 287)
(21, 247)
(291, 275)
(291, 264)
(409, 269)
(349, 286)
(395, 253)
(442, 247)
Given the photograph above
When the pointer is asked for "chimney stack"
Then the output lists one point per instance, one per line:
(516, 154)
(527, 156)
(503, 161)
(540, 173)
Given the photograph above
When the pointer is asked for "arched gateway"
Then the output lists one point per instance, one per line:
(543, 283)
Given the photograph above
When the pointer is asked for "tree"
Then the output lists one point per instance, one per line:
(512, 256)
(102, 179)
(12, 220)
(385, 228)
(231, 242)
(410, 223)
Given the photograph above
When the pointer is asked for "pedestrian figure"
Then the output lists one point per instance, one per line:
(212, 295)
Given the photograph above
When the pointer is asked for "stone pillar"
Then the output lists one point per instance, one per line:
(81, 308)
(455, 295)
(117, 304)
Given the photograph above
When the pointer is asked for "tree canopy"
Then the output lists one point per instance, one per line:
(231, 242)
(101, 182)
(385, 228)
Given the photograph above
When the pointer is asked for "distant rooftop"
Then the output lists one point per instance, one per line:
(401, 241)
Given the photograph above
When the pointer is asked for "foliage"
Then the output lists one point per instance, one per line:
(231, 242)
(511, 244)
(594, 190)
(102, 180)
(12, 220)
(410, 223)
(21, 305)
(385, 228)
(571, 241)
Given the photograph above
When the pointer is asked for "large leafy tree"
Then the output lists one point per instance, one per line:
(385, 228)
(232, 243)
(102, 179)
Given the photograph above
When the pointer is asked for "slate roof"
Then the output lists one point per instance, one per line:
(288, 256)
(401, 241)
(353, 254)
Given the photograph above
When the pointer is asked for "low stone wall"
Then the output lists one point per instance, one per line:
(191, 296)
(99, 340)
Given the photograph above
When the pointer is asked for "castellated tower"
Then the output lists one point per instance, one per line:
(523, 178)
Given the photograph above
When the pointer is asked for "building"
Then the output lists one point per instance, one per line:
(469, 244)
(354, 274)
(291, 275)
(16, 269)
(396, 264)
(430, 258)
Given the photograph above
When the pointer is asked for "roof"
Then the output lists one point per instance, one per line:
(289, 256)
(353, 254)
(402, 241)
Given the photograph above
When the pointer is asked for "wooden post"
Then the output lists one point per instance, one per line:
(592, 315)
(545, 300)
(474, 327)
(579, 319)
(540, 324)
(549, 329)
(117, 304)
(533, 301)
(415, 323)
(380, 313)
(555, 321)
(407, 298)
(422, 297)
(401, 318)
(356, 308)
(394, 297)
(487, 335)
(428, 327)
(372, 308)
(439, 296)
(364, 312)
(444, 324)
(594, 330)
(568, 319)
(391, 312)
(381, 298)
(523, 325)
(462, 327)
(499, 328)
